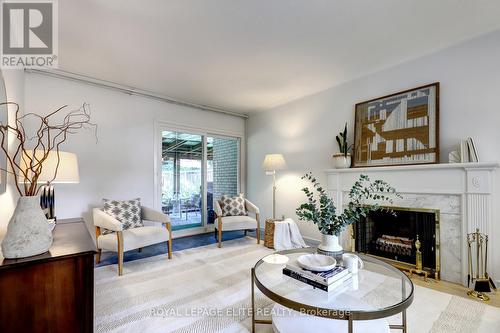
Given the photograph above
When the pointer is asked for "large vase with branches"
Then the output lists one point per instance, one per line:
(365, 196)
(28, 232)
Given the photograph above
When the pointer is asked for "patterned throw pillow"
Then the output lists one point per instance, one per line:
(233, 206)
(127, 212)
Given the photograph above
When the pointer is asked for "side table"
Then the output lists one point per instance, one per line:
(52, 291)
(269, 234)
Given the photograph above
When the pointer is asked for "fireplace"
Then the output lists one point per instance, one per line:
(465, 194)
(392, 237)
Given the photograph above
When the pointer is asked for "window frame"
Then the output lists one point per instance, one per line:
(161, 126)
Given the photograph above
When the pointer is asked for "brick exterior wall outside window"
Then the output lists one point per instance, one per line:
(225, 167)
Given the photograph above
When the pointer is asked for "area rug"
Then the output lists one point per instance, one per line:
(207, 289)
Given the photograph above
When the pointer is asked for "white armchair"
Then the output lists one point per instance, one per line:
(229, 223)
(121, 240)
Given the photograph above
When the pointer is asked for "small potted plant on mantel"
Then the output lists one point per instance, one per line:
(342, 160)
(365, 196)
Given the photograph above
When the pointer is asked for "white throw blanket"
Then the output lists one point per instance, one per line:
(287, 235)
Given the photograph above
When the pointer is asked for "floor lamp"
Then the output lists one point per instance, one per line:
(271, 164)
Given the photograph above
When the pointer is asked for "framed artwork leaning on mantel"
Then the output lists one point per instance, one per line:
(398, 129)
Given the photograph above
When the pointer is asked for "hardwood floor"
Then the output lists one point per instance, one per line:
(455, 289)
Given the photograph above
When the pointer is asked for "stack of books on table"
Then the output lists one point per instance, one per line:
(327, 281)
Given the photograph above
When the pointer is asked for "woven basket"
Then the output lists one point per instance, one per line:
(269, 234)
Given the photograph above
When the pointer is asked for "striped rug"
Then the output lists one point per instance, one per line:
(207, 289)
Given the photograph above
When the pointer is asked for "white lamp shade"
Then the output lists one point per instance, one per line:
(273, 162)
(67, 171)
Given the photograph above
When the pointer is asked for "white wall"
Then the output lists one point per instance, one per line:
(121, 164)
(304, 130)
(14, 86)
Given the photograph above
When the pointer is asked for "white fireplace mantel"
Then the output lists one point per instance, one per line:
(472, 184)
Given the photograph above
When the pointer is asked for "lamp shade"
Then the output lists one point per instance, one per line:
(273, 162)
(67, 172)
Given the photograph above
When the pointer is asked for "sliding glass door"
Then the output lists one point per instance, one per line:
(196, 169)
(182, 178)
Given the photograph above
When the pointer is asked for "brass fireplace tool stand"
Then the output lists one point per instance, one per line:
(418, 265)
(479, 276)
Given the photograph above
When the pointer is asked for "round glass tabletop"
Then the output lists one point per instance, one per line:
(378, 290)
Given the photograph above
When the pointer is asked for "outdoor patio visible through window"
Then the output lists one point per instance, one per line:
(182, 183)
(183, 173)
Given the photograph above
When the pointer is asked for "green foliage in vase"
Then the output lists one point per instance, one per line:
(365, 196)
(342, 142)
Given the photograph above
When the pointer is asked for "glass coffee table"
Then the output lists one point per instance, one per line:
(378, 291)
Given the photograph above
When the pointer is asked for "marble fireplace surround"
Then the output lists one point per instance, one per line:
(462, 192)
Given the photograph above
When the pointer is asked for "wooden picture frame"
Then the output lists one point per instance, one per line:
(398, 129)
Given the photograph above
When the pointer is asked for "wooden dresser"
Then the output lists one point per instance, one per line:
(54, 291)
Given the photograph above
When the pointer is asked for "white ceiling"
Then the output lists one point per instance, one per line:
(252, 55)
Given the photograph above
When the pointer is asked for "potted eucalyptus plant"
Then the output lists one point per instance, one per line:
(342, 160)
(365, 196)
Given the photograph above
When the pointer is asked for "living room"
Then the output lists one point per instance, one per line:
(173, 163)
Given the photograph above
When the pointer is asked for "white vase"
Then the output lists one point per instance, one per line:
(330, 243)
(341, 161)
(28, 232)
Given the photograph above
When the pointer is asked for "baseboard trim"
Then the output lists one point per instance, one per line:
(190, 232)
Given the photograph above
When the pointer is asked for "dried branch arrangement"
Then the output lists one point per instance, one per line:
(48, 137)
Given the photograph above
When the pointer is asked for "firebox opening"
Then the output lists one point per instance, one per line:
(393, 237)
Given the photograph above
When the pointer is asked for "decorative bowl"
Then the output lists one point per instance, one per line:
(316, 262)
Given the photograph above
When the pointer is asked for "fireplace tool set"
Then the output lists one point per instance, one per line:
(477, 244)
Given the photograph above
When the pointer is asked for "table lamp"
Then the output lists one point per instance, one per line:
(67, 173)
(272, 163)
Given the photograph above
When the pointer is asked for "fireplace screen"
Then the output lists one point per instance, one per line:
(393, 237)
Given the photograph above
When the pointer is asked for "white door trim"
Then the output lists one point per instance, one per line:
(161, 125)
